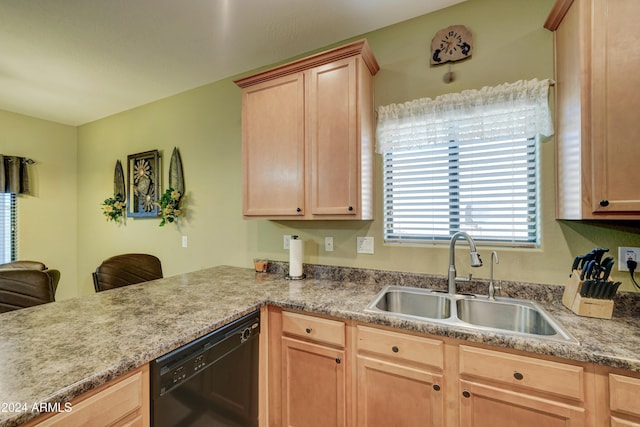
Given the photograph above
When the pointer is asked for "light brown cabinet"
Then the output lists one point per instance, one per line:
(314, 374)
(122, 402)
(597, 56)
(502, 389)
(618, 398)
(307, 137)
(400, 380)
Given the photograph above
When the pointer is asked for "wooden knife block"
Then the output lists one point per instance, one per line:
(589, 307)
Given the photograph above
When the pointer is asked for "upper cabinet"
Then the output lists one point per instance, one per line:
(597, 55)
(307, 137)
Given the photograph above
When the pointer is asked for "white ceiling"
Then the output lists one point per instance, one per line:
(75, 61)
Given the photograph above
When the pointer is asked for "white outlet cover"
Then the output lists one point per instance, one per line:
(328, 244)
(365, 245)
(286, 239)
(625, 253)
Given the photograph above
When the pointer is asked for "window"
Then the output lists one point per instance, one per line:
(464, 162)
(7, 227)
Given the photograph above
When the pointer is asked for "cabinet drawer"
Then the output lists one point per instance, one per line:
(400, 346)
(113, 402)
(542, 375)
(314, 328)
(623, 394)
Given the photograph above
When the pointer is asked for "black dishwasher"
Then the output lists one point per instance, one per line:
(212, 381)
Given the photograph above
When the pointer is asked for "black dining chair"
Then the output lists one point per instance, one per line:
(21, 288)
(126, 269)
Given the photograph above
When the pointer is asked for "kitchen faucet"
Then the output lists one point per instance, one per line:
(475, 259)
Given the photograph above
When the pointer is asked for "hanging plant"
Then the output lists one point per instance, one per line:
(169, 205)
(113, 209)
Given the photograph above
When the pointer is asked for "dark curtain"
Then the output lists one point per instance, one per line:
(14, 177)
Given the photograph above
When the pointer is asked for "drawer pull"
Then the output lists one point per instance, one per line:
(436, 387)
(466, 394)
(517, 375)
(338, 361)
(308, 330)
(395, 349)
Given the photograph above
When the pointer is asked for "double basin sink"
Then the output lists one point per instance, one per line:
(505, 315)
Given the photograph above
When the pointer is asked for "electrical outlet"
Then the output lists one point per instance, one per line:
(365, 245)
(626, 253)
(286, 239)
(185, 241)
(328, 244)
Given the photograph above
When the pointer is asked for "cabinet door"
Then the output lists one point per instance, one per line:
(273, 147)
(615, 104)
(623, 400)
(483, 405)
(313, 385)
(390, 394)
(333, 138)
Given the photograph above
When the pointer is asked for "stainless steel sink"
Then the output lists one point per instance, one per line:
(505, 315)
(517, 317)
(413, 302)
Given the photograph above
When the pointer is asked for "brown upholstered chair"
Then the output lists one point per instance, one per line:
(20, 288)
(127, 269)
(34, 265)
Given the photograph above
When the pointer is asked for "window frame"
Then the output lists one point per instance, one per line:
(8, 223)
(391, 234)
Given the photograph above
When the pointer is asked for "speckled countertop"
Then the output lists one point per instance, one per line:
(54, 352)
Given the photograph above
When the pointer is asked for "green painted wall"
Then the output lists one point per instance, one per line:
(47, 218)
(204, 123)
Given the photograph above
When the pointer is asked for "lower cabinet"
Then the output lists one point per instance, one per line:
(328, 372)
(499, 388)
(400, 381)
(314, 374)
(122, 402)
(618, 401)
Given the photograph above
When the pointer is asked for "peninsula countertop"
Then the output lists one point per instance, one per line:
(55, 352)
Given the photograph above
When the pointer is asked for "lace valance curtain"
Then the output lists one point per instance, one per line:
(14, 177)
(510, 110)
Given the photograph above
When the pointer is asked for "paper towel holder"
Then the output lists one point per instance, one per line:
(289, 276)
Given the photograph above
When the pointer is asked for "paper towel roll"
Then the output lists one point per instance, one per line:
(296, 253)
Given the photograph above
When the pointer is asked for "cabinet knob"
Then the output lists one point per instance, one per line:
(350, 208)
(395, 349)
(466, 393)
(436, 387)
(298, 210)
(308, 330)
(338, 361)
(517, 375)
(604, 203)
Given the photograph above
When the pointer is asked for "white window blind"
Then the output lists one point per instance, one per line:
(464, 162)
(7, 227)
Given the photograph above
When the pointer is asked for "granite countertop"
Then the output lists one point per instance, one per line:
(55, 352)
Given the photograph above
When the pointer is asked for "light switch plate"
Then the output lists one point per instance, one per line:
(365, 245)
